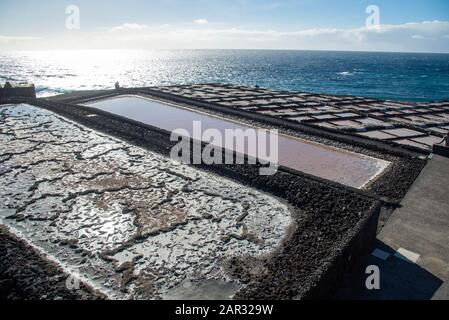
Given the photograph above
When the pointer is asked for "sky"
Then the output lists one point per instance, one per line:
(375, 25)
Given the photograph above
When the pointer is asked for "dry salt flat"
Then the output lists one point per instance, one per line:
(129, 222)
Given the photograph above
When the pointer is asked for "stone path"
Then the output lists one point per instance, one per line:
(421, 225)
(412, 250)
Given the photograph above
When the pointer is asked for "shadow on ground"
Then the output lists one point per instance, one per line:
(399, 280)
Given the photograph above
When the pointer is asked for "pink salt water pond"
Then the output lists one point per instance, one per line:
(345, 167)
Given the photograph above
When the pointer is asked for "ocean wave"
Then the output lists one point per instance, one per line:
(6, 78)
(360, 74)
(346, 73)
(44, 91)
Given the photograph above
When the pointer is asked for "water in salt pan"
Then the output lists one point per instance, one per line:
(323, 161)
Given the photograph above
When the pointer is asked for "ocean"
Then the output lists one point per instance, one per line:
(396, 76)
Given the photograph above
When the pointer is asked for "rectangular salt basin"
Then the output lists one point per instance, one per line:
(345, 167)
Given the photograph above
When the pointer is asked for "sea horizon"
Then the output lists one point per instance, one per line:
(411, 77)
(224, 49)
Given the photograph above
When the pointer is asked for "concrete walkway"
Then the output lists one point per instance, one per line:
(412, 250)
(421, 225)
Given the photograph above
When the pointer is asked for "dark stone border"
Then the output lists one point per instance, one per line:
(441, 150)
(25, 274)
(29, 92)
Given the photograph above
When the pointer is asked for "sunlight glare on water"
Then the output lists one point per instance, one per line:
(62, 71)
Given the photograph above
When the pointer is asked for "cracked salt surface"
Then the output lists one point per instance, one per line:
(134, 224)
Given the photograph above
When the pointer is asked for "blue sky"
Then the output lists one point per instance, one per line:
(291, 24)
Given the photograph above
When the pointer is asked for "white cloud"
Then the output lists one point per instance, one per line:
(200, 21)
(130, 26)
(14, 39)
(383, 37)
(402, 37)
(13, 43)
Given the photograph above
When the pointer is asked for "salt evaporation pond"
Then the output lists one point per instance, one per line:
(131, 223)
(342, 166)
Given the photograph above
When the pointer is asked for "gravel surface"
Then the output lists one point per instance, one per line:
(25, 274)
